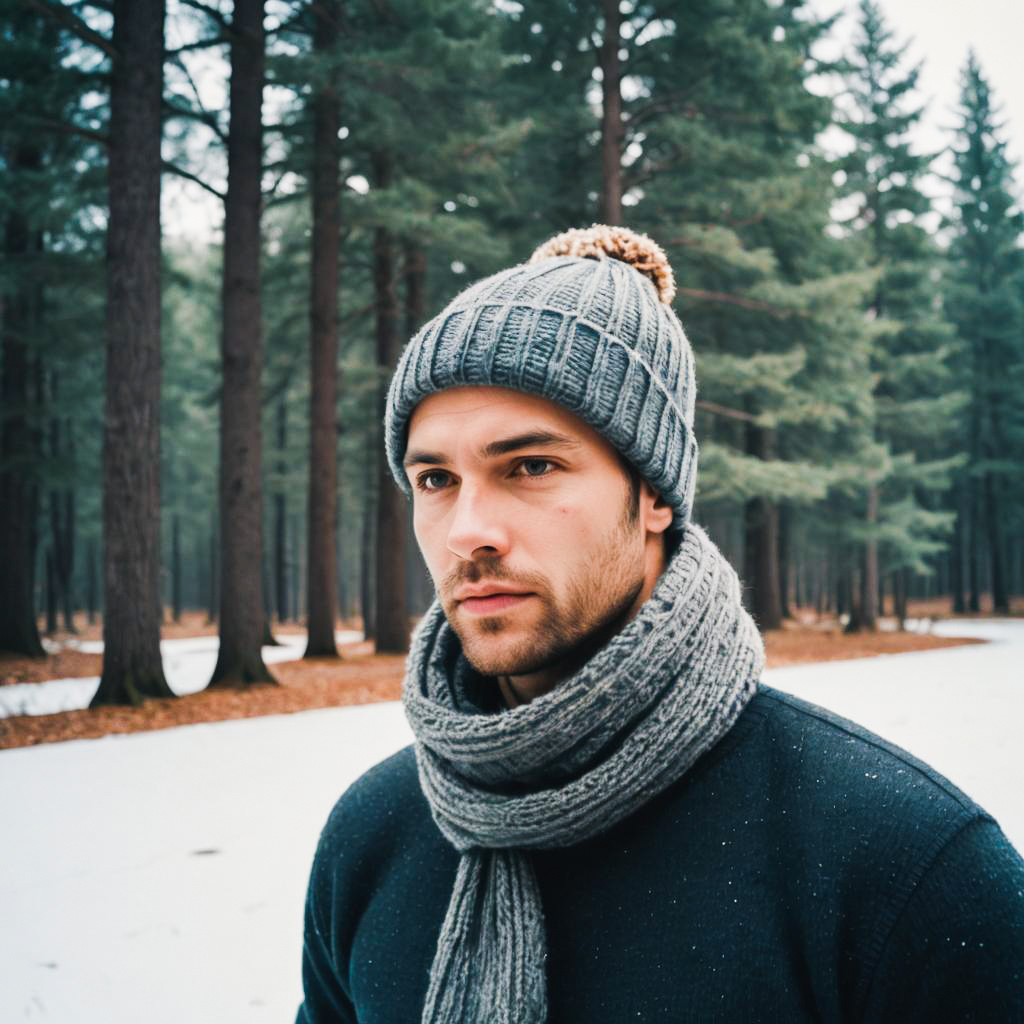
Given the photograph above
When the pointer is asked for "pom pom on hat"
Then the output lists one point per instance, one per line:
(600, 242)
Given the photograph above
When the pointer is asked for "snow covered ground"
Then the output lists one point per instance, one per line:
(159, 877)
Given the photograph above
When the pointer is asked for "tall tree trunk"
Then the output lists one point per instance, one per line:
(321, 571)
(854, 584)
(19, 491)
(67, 563)
(900, 585)
(269, 640)
(973, 553)
(132, 667)
(213, 579)
(51, 592)
(392, 621)
(761, 548)
(996, 547)
(90, 582)
(296, 578)
(342, 581)
(419, 587)
(281, 516)
(786, 569)
(175, 566)
(869, 568)
(367, 558)
(240, 659)
(956, 555)
(62, 506)
(611, 114)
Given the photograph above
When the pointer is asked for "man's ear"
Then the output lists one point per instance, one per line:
(656, 512)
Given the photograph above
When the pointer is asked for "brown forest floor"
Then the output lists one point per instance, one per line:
(359, 677)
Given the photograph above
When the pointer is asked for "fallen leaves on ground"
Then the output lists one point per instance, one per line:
(802, 645)
(66, 663)
(357, 678)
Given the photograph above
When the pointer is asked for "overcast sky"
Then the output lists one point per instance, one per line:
(940, 32)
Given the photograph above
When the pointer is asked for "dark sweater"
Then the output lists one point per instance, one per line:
(802, 870)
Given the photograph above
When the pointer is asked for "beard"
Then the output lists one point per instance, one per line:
(551, 630)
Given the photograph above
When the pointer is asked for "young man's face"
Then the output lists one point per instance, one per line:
(526, 519)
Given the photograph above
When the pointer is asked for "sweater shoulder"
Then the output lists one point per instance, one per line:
(374, 809)
(823, 752)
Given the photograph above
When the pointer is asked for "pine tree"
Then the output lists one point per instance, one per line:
(986, 303)
(894, 517)
(132, 665)
(323, 364)
(724, 168)
(241, 621)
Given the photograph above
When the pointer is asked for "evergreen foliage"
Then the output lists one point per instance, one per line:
(894, 520)
(985, 301)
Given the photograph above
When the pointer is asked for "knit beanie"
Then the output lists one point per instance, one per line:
(586, 323)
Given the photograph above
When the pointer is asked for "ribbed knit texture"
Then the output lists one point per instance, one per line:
(589, 334)
(565, 767)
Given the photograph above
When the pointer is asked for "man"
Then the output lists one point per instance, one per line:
(604, 818)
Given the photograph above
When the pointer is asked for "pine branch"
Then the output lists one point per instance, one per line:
(738, 300)
(199, 44)
(211, 12)
(69, 128)
(203, 115)
(189, 176)
(721, 410)
(74, 24)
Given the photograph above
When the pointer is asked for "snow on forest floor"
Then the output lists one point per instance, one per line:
(160, 876)
(188, 664)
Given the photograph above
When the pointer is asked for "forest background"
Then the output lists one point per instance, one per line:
(192, 424)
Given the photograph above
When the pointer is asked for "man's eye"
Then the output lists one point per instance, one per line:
(536, 467)
(434, 480)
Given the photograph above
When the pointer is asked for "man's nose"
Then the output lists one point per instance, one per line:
(478, 526)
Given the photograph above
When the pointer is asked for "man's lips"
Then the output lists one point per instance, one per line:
(489, 604)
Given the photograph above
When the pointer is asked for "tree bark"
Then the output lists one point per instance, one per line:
(62, 507)
(213, 577)
(899, 597)
(392, 621)
(786, 569)
(132, 667)
(90, 583)
(367, 558)
(956, 555)
(240, 658)
(996, 548)
(611, 114)
(973, 554)
(175, 567)
(761, 548)
(19, 490)
(281, 516)
(869, 568)
(51, 592)
(419, 587)
(321, 597)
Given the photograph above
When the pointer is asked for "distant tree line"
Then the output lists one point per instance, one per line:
(192, 426)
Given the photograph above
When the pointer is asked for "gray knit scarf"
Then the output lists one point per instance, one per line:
(565, 767)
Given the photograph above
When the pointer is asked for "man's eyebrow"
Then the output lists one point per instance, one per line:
(504, 446)
(532, 439)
